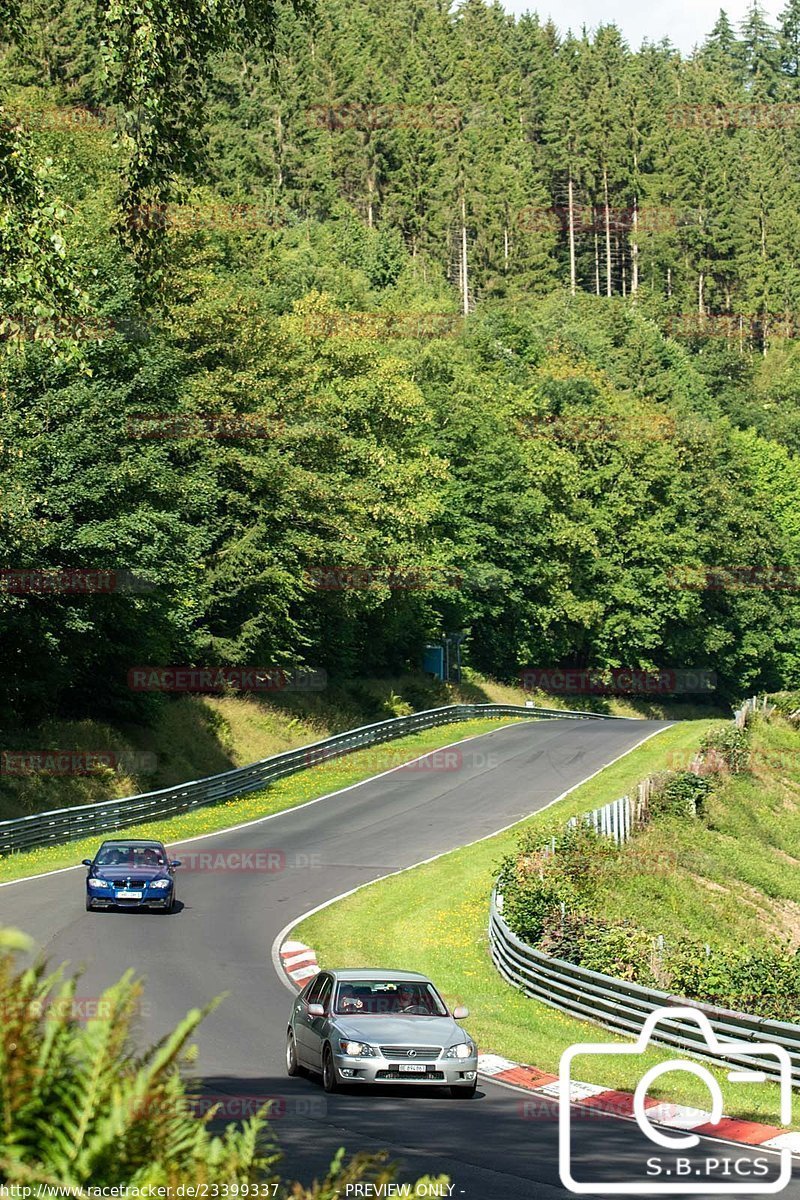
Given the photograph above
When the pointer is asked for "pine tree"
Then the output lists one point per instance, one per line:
(609, 163)
(721, 51)
(759, 53)
(789, 42)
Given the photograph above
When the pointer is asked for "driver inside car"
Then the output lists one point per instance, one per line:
(407, 998)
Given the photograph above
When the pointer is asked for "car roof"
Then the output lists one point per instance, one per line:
(132, 842)
(378, 976)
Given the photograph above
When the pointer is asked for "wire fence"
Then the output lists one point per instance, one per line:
(619, 819)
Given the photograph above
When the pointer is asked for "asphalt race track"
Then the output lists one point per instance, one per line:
(221, 936)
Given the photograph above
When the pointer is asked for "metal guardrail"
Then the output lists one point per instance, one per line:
(624, 1006)
(68, 824)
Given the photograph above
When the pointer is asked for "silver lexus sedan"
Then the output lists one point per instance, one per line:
(357, 1027)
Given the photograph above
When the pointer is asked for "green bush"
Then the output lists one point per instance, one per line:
(762, 982)
(616, 948)
(680, 794)
(727, 745)
(785, 702)
(545, 874)
(528, 905)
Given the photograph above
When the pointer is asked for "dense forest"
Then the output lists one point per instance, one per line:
(370, 323)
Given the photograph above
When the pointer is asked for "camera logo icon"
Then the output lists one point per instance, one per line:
(685, 1176)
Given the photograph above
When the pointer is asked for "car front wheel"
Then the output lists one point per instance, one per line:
(329, 1079)
(292, 1065)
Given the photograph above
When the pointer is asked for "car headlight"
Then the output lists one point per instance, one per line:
(161, 883)
(357, 1049)
(462, 1050)
(99, 883)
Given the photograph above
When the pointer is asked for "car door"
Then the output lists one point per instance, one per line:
(317, 1027)
(302, 1021)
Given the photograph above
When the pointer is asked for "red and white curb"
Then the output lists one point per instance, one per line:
(592, 1097)
(299, 962)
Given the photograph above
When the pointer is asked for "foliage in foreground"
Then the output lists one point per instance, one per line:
(80, 1107)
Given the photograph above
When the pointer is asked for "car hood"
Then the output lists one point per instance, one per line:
(120, 874)
(401, 1031)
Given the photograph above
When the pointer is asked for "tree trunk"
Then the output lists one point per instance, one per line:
(573, 279)
(607, 218)
(279, 147)
(464, 260)
(596, 258)
(635, 248)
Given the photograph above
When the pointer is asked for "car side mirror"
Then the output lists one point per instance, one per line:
(460, 1012)
(86, 862)
(176, 863)
(316, 1010)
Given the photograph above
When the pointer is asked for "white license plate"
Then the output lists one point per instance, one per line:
(414, 1068)
(124, 894)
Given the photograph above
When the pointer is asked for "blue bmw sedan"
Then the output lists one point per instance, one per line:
(131, 874)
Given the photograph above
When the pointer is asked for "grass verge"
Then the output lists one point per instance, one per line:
(434, 918)
(730, 877)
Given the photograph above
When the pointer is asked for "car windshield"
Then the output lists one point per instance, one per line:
(116, 854)
(378, 997)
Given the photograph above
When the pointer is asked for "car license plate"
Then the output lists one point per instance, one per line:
(414, 1068)
(124, 894)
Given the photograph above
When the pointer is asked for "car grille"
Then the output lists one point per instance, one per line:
(130, 883)
(420, 1078)
(420, 1053)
